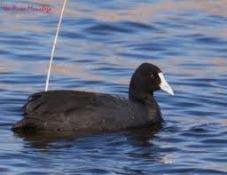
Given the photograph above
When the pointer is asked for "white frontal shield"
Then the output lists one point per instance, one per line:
(164, 85)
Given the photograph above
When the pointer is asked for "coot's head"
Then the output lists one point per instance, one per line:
(145, 80)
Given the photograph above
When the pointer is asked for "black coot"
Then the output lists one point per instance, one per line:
(77, 111)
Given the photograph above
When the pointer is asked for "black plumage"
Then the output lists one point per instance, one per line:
(78, 111)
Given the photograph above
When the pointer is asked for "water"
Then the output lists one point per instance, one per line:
(100, 44)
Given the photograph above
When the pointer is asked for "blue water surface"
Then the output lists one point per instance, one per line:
(100, 45)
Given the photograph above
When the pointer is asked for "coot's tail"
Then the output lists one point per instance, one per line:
(25, 125)
(19, 125)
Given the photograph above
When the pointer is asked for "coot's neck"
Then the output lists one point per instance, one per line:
(140, 97)
(149, 102)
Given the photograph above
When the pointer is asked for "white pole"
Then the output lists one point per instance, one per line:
(54, 45)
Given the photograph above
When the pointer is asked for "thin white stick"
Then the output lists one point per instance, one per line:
(54, 45)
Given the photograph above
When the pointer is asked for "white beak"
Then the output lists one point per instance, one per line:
(164, 85)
